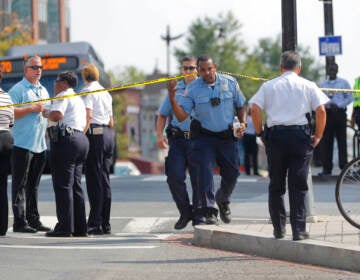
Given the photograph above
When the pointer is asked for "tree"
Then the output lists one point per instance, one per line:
(14, 34)
(122, 76)
(126, 75)
(218, 37)
(269, 50)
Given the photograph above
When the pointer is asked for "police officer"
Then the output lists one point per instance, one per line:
(336, 120)
(215, 99)
(286, 100)
(99, 130)
(178, 158)
(69, 147)
(6, 142)
(355, 117)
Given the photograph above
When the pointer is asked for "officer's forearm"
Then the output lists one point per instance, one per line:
(256, 115)
(160, 125)
(241, 114)
(320, 121)
(177, 110)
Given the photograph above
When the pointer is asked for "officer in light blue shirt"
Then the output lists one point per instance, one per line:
(29, 152)
(178, 158)
(215, 99)
(336, 119)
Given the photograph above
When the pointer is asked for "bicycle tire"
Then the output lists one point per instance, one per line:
(347, 192)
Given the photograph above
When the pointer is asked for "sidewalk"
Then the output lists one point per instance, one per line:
(333, 242)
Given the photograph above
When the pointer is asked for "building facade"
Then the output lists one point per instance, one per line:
(48, 20)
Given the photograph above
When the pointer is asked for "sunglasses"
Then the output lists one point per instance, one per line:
(185, 68)
(35, 67)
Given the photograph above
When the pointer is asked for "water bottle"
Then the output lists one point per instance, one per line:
(236, 125)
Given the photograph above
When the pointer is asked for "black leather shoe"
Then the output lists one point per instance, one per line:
(225, 214)
(24, 229)
(182, 222)
(106, 229)
(211, 219)
(55, 233)
(41, 227)
(80, 234)
(95, 231)
(300, 235)
(278, 234)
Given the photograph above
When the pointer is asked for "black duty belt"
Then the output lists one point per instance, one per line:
(333, 110)
(289, 127)
(225, 134)
(176, 132)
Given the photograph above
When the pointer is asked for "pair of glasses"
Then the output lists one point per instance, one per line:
(35, 67)
(191, 68)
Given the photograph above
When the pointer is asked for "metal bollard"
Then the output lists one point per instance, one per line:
(309, 201)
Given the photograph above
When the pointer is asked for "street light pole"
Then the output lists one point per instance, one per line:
(329, 27)
(168, 39)
(289, 26)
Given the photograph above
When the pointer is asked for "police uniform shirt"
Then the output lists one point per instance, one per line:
(29, 130)
(6, 113)
(287, 98)
(72, 109)
(341, 99)
(197, 97)
(100, 103)
(165, 108)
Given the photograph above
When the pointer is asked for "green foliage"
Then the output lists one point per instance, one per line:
(120, 118)
(217, 37)
(14, 34)
(123, 75)
(126, 75)
(221, 39)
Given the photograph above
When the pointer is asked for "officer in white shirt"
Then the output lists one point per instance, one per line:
(69, 147)
(286, 100)
(99, 130)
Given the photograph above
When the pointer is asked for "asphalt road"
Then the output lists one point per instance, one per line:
(143, 244)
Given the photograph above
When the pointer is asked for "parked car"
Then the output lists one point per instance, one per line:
(126, 168)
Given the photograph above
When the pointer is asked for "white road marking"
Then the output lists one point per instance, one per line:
(140, 224)
(110, 247)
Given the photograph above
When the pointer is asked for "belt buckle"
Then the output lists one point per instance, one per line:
(186, 135)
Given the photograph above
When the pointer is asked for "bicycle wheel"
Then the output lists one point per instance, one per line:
(347, 192)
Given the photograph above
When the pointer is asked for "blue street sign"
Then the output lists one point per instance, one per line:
(330, 45)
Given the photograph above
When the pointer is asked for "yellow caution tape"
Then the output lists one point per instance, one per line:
(156, 81)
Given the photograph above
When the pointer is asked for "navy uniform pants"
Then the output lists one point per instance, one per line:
(27, 168)
(67, 157)
(97, 174)
(289, 153)
(208, 150)
(335, 128)
(6, 141)
(176, 163)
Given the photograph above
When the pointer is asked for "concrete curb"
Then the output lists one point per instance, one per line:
(339, 256)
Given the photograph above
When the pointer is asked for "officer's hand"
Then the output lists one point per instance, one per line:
(240, 131)
(38, 107)
(162, 142)
(172, 88)
(352, 122)
(315, 140)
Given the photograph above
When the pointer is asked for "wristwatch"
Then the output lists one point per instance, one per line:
(260, 134)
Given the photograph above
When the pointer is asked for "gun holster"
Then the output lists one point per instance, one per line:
(195, 129)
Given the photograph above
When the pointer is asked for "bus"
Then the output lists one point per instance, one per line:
(55, 58)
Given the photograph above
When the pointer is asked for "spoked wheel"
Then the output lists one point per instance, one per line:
(347, 192)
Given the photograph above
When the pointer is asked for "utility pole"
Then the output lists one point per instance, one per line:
(168, 39)
(289, 43)
(289, 26)
(329, 27)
